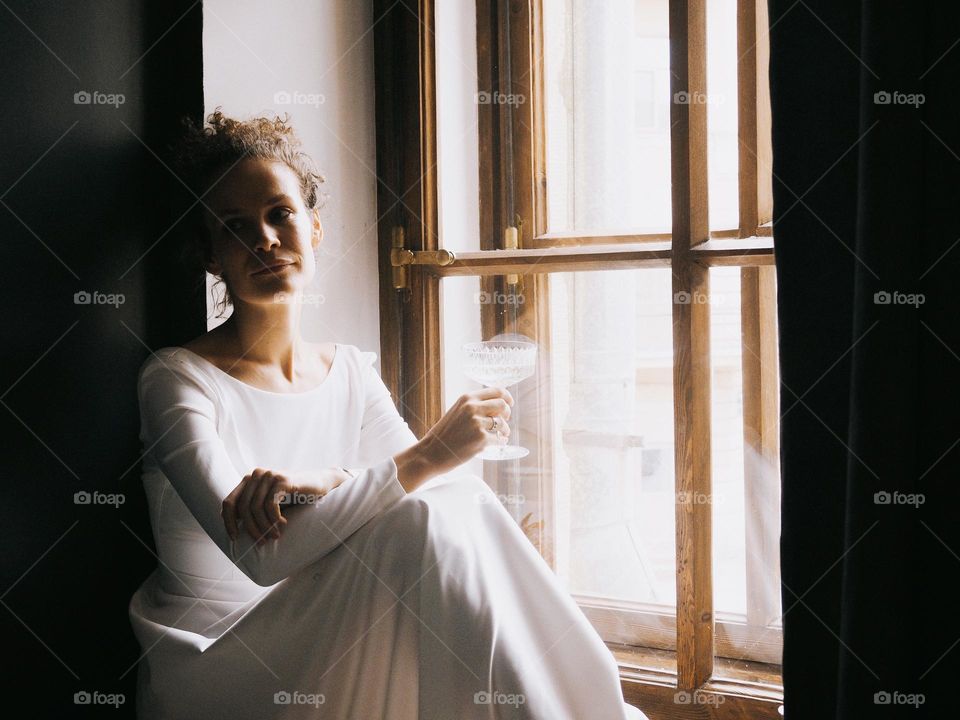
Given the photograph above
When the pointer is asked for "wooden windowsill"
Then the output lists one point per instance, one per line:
(739, 689)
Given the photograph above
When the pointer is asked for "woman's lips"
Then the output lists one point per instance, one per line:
(271, 269)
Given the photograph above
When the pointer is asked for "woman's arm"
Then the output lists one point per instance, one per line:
(178, 427)
(458, 436)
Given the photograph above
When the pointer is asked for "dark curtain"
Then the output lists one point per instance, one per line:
(85, 207)
(866, 155)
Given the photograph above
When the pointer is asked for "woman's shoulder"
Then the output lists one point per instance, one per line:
(164, 356)
(364, 361)
(176, 364)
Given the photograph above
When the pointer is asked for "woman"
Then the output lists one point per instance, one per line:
(288, 586)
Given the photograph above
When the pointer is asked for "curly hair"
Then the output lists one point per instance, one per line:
(204, 153)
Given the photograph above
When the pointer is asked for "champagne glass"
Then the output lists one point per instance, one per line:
(499, 363)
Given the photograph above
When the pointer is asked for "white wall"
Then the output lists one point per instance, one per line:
(323, 50)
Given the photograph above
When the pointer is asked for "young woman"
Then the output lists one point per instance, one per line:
(287, 585)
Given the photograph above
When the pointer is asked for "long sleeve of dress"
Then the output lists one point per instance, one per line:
(384, 431)
(179, 429)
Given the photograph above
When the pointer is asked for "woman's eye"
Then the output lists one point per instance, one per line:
(281, 214)
(233, 225)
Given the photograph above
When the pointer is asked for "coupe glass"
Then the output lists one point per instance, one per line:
(499, 363)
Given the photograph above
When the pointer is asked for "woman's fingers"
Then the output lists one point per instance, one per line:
(495, 406)
(255, 502)
(488, 393)
(277, 490)
(258, 504)
(229, 509)
(244, 505)
(494, 414)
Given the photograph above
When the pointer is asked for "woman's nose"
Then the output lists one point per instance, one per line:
(266, 238)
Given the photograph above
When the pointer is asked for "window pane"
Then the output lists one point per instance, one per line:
(607, 107)
(612, 381)
(723, 145)
(745, 497)
(457, 126)
(597, 418)
(726, 444)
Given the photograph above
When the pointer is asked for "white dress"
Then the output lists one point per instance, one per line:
(374, 603)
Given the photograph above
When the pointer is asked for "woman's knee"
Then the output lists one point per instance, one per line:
(407, 518)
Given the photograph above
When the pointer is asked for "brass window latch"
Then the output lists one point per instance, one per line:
(401, 257)
(512, 236)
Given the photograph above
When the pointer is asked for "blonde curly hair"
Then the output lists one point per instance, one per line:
(205, 152)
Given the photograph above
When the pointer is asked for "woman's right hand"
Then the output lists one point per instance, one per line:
(466, 428)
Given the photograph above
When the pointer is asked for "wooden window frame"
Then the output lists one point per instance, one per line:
(510, 33)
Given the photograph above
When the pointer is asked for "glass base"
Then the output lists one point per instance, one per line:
(503, 452)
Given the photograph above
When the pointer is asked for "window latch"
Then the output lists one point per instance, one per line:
(401, 257)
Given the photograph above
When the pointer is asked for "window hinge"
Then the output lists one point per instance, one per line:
(400, 257)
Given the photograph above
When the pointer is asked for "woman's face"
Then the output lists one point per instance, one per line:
(256, 219)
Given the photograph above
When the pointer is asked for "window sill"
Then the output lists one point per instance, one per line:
(739, 689)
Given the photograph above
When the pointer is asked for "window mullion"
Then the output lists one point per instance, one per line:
(691, 344)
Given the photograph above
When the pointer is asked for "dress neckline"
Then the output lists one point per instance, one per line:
(316, 388)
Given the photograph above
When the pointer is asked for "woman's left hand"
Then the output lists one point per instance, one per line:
(257, 500)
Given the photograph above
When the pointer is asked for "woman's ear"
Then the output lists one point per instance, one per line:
(204, 240)
(317, 229)
(210, 263)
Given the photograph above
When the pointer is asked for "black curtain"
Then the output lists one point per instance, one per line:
(85, 208)
(866, 155)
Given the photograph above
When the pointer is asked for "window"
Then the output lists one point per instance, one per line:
(626, 146)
